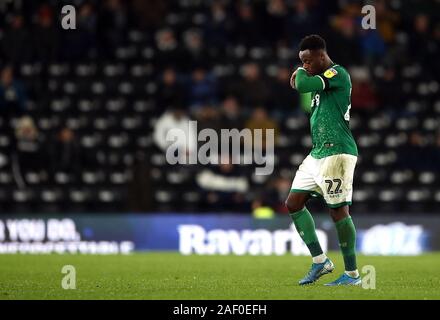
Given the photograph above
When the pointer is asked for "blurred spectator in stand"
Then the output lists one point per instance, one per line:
(277, 190)
(202, 89)
(65, 152)
(224, 188)
(372, 46)
(208, 117)
(140, 187)
(419, 147)
(284, 99)
(231, 114)
(247, 29)
(436, 158)
(79, 44)
(111, 27)
(168, 51)
(12, 94)
(29, 146)
(284, 52)
(150, 14)
(275, 20)
(260, 120)
(196, 53)
(420, 37)
(434, 50)
(252, 90)
(170, 92)
(304, 21)
(261, 209)
(386, 21)
(272, 195)
(219, 26)
(363, 95)
(15, 43)
(389, 88)
(183, 137)
(45, 36)
(342, 40)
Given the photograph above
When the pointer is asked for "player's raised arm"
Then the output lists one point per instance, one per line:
(315, 61)
(305, 83)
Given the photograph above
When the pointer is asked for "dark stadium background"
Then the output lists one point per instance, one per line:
(81, 109)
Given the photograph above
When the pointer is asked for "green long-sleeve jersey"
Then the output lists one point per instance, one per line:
(330, 111)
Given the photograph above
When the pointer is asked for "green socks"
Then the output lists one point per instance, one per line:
(347, 242)
(305, 226)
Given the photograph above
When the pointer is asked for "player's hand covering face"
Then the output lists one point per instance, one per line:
(292, 79)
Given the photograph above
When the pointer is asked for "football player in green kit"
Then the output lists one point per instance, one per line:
(327, 172)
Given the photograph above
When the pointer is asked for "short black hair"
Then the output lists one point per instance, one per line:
(312, 42)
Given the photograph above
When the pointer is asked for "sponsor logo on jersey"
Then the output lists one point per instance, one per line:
(330, 73)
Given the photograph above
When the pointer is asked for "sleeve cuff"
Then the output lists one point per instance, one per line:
(324, 86)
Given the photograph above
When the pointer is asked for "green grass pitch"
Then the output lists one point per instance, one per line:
(173, 276)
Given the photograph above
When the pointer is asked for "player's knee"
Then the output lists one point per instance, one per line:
(287, 204)
(293, 205)
(340, 213)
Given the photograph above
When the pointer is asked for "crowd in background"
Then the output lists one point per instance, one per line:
(225, 64)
